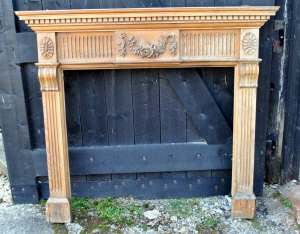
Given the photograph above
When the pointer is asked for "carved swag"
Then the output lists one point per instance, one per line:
(147, 49)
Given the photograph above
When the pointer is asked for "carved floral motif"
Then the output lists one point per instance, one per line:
(148, 50)
(249, 43)
(46, 47)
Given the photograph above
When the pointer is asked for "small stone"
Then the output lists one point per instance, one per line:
(228, 198)
(219, 211)
(182, 230)
(174, 218)
(151, 232)
(226, 208)
(96, 231)
(74, 228)
(1, 200)
(152, 214)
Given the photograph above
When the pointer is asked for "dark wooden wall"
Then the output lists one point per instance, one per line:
(290, 167)
(93, 110)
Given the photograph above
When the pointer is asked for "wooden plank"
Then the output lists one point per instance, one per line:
(21, 5)
(223, 92)
(297, 143)
(228, 2)
(111, 4)
(192, 132)
(141, 3)
(35, 5)
(203, 173)
(207, 76)
(13, 116)
(220, 173)
(259, 2)
(119, 107)
(24, 194)
(77, 4)
(172, 112)
(142, 158)
(174, 174)
(148, 175)
(33, 97)
(149, 188)
(93, 107)
(91, 4)
(290, 154)
(199, 3)
(145, 93)
(200, 105)
(27, 42)
(172, 3)
(124, 176)
(56, 4)
(72, 100)
(98, 177)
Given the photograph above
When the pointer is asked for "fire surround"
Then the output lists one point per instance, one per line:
(148, 38)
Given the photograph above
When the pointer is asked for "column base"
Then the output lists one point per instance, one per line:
(58, 210)
(243, 206)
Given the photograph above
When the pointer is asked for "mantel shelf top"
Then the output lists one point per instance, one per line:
(135, 18)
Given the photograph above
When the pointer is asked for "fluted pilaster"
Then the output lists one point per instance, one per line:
(58, 205)
(243, 204)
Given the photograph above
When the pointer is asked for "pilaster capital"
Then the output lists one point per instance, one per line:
(48, 76)
(248, 75)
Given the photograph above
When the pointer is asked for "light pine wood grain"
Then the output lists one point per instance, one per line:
(148, 38)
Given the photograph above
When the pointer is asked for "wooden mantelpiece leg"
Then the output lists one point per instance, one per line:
(58, 207)
(244, 201)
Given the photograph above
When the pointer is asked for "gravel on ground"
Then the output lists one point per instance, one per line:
(128, 215)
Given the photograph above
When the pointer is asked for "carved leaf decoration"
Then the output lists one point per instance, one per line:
(46, 47)
(147, 50)
(249, 43)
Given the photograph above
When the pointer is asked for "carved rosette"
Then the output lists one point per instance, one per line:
(147, 50)
(48, 78)
(46, 47)
(249, 43)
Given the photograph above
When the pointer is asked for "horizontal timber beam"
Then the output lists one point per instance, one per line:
(141, 158)
(149, 188)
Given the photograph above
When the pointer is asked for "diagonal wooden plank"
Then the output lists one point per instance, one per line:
(200, 105)
(172, 114)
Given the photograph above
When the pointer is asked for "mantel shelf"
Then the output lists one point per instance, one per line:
(147, 18)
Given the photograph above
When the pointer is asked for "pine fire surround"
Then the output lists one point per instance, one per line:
(148, 38)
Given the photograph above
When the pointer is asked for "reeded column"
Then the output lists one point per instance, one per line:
(243, 201)
(58, 207)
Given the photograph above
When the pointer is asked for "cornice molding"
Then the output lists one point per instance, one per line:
(59, 20)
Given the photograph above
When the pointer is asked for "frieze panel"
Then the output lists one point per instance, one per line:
(205, 43)
(86, 46)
